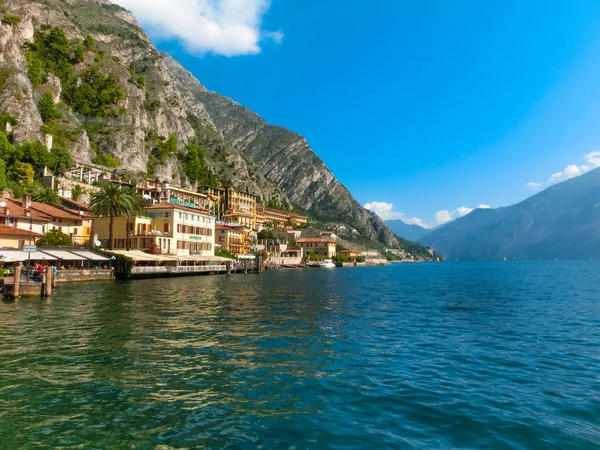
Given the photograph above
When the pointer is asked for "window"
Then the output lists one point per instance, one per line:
(75, 231)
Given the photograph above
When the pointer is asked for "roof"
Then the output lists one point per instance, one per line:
(6, 229)
(90, 255)
(38, 211)
(326, 232)
(226, 228)
(310, 240)
(78, 205)
(166, 205)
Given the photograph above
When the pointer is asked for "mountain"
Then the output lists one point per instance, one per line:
(124, 105)
(406, 231)
(560, 222)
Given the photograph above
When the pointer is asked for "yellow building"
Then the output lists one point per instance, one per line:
(12, 237)
(168, 229)
(278, 217)
(234, 239)
(320, 246)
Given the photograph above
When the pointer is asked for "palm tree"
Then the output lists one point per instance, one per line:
(112, 201)
(138, 207)
(44, 194)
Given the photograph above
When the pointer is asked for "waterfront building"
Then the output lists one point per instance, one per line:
(350, 254)
(320, 246)
(40, 218)
(167, 229)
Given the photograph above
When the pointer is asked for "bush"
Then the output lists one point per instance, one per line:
(94, 94)
(47, 108)
(77, 192)
(55, 238)
(21, 173)
(11, 20)
(107, 160)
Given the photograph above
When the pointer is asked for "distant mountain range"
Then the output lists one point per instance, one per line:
(561, 222)
(405, 231)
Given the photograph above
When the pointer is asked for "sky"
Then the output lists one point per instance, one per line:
(423, 109)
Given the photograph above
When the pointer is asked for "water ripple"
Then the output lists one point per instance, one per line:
(412, 356)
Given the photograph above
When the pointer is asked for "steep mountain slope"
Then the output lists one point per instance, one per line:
(152, 109)
(561, 222)
(285, 158)
(406, 231)
(122, 102)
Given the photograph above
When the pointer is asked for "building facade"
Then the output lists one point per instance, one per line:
(320, 246)
(40, 218)
(167, 229)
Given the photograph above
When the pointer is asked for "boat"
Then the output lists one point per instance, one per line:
(327, 264)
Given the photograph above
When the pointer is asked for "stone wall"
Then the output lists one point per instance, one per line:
(76, 276)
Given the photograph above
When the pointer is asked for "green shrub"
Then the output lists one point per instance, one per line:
(11, 20)
(95, 94)
(47, 108)
(77, 192)
(106, 160)
(55, 238)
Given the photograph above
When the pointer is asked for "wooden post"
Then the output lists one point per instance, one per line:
(16, 290)
(53, 278)
(48, 286)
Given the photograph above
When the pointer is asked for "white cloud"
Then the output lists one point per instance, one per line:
(445, 216)
(386, 212)
(224, 27)
(592, 161)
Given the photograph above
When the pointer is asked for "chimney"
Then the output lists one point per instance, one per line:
(26, 201)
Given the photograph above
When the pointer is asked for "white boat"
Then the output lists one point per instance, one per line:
(327, 264)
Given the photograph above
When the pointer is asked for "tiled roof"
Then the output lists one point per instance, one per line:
(79, 205)
(313, 240)
(8, 230)
(53, 211)
(38, 211)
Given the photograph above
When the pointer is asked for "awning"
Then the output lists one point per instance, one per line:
(63, 255)
(90, 255)
(137, 255)
(14, 255)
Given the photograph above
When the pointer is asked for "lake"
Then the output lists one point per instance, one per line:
(450, 355)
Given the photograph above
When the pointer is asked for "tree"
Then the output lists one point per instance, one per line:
(36, 154)
(8, 152)
(21, 173)
(55, 238)
(63, 160)
(44, 194)
(47, 108)
(112, 201)
(266, 234)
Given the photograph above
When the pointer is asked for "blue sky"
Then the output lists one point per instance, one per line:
(434, 107)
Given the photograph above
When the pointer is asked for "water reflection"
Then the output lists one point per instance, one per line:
(365, 358)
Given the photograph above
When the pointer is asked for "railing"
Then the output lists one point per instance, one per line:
(180, 269)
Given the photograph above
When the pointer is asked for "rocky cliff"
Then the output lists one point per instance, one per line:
(160, 122)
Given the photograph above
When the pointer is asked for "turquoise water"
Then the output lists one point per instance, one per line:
(453, 355)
